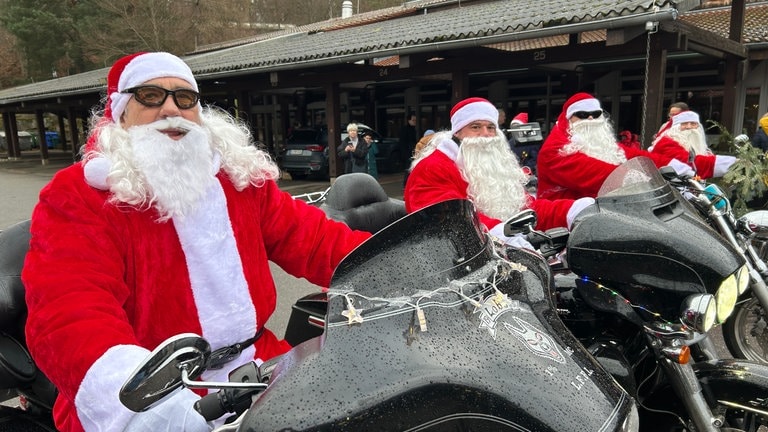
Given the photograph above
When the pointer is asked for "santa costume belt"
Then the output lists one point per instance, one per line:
(226, 354)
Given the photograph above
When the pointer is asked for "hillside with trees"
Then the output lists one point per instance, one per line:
(44, 39)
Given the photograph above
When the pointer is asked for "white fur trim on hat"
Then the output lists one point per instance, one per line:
(144, 68)
(591, 104)
(685, 117)
(473, 112)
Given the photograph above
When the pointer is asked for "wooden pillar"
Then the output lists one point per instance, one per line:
(7, 129)
(733, 68)
(332, 111)
(12, 137)
(74, 132)
(40, 122)
(62, 129)
(654, 82)
(459, 86)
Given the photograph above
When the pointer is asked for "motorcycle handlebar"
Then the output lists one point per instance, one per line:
(209, 406)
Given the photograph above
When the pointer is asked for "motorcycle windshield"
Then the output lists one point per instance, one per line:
(428, 329)
(637, 175)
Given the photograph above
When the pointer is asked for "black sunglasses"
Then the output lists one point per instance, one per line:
(587, 114)
(154, 96)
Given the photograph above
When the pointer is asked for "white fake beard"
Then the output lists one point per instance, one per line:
(595, 138)
(690, 139)
(175, 174)
(496, 182)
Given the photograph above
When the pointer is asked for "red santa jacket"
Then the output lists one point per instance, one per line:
(105, 285)
(436, 178)
(703, 164)
(578, 175)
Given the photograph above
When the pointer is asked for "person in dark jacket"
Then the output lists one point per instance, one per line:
(353, 151)
(760, 140)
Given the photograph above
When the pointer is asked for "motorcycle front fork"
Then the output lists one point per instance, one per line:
(687, 387)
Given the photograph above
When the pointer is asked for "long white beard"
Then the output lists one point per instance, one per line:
(690, 139)
(595, 138)
(496, 182)
(170, 175)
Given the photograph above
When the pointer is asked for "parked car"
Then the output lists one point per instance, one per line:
(305, 152)
(26, 141)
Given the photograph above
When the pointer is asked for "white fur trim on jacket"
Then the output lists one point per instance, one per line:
(97, 401)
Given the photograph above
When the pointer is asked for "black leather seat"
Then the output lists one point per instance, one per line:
(358, 200)
(14, 243)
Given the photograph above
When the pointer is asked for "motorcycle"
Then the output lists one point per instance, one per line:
(746, 332)
(456, 338)
(31, 393)
(464, 329)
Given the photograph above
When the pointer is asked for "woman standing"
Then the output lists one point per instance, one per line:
(373, 150)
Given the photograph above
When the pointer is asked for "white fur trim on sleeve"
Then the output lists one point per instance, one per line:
(723, 164)
(97, 402)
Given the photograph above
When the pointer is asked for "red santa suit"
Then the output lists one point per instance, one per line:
(578, 175)
(707, 165)
(106, 283)
(437, 178)
(138, 282)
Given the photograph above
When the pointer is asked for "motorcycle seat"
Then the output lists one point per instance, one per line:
(14, 243)
(358, 200)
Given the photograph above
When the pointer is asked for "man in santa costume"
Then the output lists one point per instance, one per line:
(581, 151)
(473, 161)
(166, 227)
(686, 132)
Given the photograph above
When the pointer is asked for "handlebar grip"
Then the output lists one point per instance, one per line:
(210, 406)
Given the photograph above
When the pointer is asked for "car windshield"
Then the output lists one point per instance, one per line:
(305, 137)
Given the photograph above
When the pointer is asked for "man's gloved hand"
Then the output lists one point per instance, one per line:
(175, 414)
(517, 240)
(576, 208)
(681, 168)
(723, 164)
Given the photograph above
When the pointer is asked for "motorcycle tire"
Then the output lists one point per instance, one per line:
(745, 332)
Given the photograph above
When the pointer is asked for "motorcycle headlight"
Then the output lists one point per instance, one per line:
(699, 311)
(726, 296)
(742, 279)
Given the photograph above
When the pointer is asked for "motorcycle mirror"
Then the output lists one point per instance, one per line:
(161, 372)
(523, 222)
(668, 173)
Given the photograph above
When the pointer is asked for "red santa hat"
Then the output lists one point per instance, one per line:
(521, 118)
(470, 110)
(685, 117)
(580, 102)
(136, 69)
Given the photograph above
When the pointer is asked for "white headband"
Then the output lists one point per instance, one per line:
(590, 104)
(685, 117)
(474, 111)
(146, 67)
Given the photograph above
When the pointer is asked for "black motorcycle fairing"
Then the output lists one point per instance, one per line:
(481, 362)
(635, 246)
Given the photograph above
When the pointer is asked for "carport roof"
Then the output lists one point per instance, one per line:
(417, 26)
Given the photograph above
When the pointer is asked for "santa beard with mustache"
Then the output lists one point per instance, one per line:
(496, 181)
(690, 139)
(151, 170)
(595, 138)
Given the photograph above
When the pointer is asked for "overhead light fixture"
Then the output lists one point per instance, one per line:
(434, 59)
